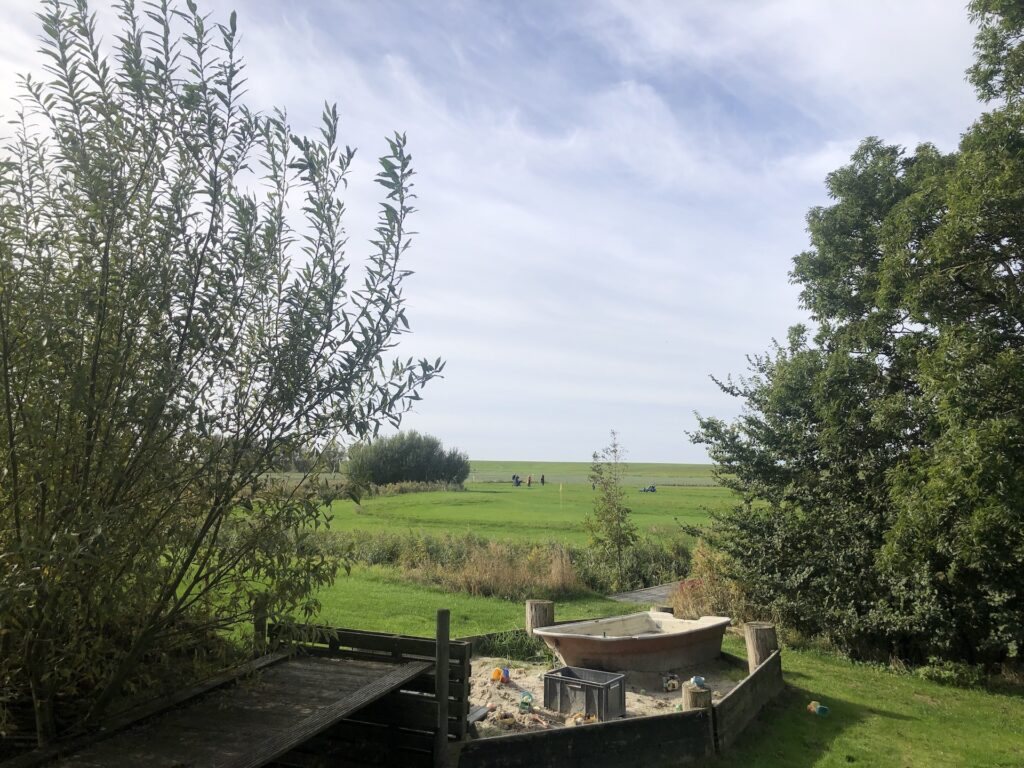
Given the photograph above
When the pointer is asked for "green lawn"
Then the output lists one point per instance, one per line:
(878, 719)
(378, 599)
(500, 511)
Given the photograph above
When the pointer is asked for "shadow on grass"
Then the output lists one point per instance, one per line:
(786, 734)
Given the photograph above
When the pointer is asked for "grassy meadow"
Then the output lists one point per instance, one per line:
(493, 508)
(378, 599)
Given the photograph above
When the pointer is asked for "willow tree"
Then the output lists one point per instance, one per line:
(176, 311)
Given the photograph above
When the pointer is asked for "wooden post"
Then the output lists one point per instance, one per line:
(761, 642)
(539, 613)
(695, 696)
(441, 688)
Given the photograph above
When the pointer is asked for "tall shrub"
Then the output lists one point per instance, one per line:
(167, 330)
(611, 528)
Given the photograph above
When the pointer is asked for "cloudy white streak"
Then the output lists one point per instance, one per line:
(610, 192)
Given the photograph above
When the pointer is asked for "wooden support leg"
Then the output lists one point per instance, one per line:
(441, 688)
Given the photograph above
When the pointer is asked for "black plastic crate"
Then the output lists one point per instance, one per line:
(590, 691)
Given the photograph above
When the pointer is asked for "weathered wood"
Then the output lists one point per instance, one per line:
(441, 688)
(136, 714)
(741, 705)
(277, 745)
(256, 721)
(408, 710)
(695, 696)
(654, 742)
(761, 642)
(539, 613)
(408, 646)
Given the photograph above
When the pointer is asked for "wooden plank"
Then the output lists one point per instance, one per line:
(441, 687)
(353, 731)
(277, 745)
(654, 742)
(374, 641)
(405, 710)
(136, 714)
(455, 669)
(735, 711)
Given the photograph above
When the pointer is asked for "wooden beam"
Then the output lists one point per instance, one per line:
(441, 687)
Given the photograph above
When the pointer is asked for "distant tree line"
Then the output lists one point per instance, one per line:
(880, 460)
(406, 457)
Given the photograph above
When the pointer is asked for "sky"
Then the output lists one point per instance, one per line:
(610, 192)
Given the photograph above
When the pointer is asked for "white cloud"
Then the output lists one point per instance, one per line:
(610, 193)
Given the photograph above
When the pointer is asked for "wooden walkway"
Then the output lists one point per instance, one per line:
(659, 595)
(254, 721)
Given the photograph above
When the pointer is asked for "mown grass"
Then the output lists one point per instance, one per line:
(878, 718)
(500, 511)
(639, 474)
(378, 599)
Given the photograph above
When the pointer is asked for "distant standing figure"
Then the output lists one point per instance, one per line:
(542, 479)
(529, 480)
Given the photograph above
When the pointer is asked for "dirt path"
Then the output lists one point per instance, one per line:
(659, 595)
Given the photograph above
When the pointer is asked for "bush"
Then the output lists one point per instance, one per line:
(406, 457)
(412, 486)
(709, 591)
(952, 673)
(650, 561)
(514, 570)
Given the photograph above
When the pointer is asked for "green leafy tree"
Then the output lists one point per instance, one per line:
(880, 464)
(611, 528)
(167, 329)
(405, 457)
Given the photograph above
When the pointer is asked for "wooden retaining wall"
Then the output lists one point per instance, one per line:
(735, 711)
(673, 739)
(399, 729)
(661, 740)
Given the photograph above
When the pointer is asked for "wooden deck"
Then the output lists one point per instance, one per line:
(254, 721)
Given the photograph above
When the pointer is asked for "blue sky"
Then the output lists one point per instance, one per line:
(610, 191)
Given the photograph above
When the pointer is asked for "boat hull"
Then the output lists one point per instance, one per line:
(644, 642)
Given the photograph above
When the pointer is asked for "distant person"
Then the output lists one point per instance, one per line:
(529, 480)
(542, 479)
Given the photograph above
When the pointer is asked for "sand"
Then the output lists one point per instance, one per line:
(644, 695)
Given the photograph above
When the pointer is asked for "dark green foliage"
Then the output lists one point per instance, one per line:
(406, 457)
(168, 330)
(881, 463)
